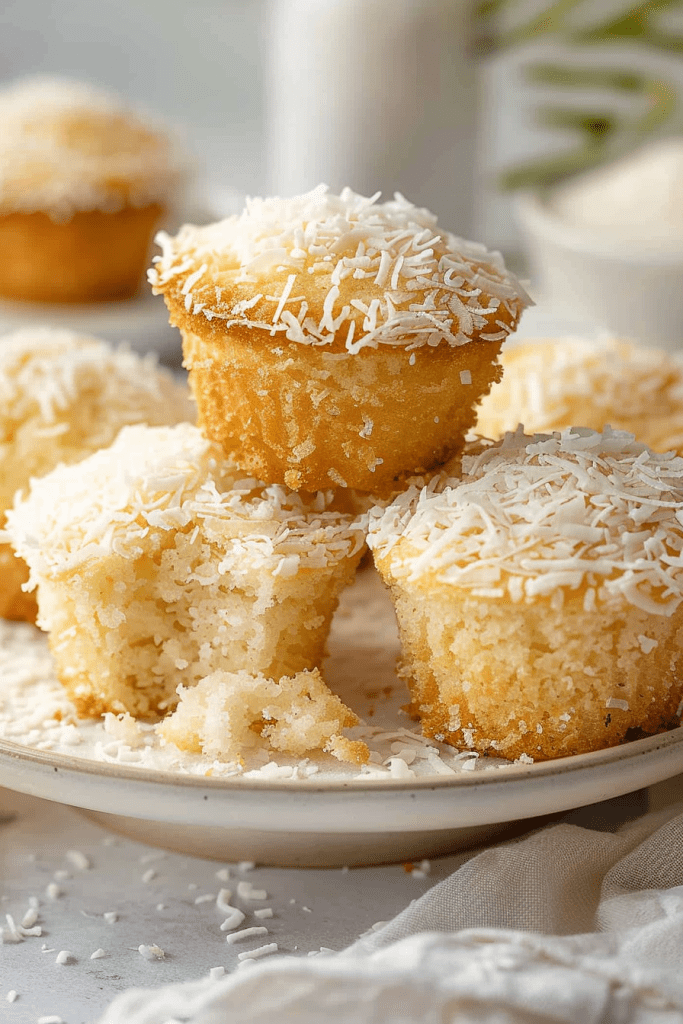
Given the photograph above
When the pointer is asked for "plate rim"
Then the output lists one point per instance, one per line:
(573, 764)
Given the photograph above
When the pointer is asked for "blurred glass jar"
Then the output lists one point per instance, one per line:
(374, 94)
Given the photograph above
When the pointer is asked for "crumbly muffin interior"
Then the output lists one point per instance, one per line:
(158, 564)
(229, 714)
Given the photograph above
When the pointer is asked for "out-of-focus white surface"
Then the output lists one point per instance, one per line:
(170, 900)
(154, 898)
(374, 94)
(141, 321)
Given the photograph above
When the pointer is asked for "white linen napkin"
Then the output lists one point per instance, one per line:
(572, 924)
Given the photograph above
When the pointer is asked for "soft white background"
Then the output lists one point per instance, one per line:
(202, 64)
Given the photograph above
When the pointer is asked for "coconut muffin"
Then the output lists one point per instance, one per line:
(550, 383)
(63, 396)
(539, 597)
(84, 183)
(335, 340)
(230, 715)
(157, 564)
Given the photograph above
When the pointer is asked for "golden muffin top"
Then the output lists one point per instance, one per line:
(67, 146)
(342, 271)
(550, 383)
(538, 516)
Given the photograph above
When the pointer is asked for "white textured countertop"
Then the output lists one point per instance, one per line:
(77, 873)
(159, 899)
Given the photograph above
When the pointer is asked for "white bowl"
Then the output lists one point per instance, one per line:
(631, 289)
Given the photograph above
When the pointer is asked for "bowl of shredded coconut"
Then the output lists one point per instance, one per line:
(608, 244)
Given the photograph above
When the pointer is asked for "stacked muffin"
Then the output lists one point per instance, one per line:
(335, 340)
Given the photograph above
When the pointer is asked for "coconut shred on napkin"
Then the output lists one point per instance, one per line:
(572, 924)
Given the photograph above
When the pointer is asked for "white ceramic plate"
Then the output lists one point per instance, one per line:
(335, 817)
(310, 823)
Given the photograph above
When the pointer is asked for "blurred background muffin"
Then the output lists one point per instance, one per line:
(84, 183)
(551, 383)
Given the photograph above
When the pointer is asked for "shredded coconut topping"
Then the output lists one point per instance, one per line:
(381, 273)
(169, 479)
(540, 515)
(63, 395)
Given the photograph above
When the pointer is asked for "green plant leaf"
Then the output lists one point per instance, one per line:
(603, 134)
(637, 24)
(549, 170)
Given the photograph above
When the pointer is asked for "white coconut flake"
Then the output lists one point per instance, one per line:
(64, 956)
(256, 954)
(233, 920)
(10, 933)
(30, 917)
(78, 859)
(98, 954)
(286, 292)
(245, 933)
(617, 702)
(207, 897)
(246, 891)
(223, 900)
